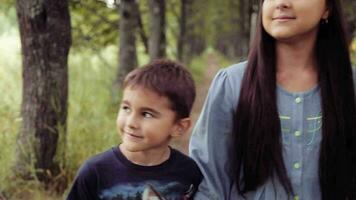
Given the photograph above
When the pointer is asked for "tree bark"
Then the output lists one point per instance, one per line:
(195, 37)
(182, 29)
(243, 36)
(45, 33)
(127, 44)
(157, 39)
(142, 30)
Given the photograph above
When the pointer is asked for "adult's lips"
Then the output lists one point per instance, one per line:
(283, 18)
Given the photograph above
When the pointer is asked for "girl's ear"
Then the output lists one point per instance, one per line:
(181, 127)
(326, 14)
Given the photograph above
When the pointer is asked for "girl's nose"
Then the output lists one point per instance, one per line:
(283, 4)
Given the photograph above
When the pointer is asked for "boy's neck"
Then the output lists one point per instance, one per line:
(147, 158)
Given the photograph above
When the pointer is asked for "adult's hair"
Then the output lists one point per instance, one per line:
(169, 79)
(257, 148)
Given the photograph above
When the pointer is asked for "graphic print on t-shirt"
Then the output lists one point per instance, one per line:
(156, 189)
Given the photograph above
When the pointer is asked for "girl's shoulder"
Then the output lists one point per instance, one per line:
(227, 83)
(231, 76)
(235, 70)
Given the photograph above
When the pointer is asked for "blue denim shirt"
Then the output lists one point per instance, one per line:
(300, 116)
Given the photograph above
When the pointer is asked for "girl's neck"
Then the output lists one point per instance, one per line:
(296, 64)
(296, 53)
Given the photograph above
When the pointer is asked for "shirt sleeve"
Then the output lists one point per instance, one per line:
(85, 184)
(210, 139)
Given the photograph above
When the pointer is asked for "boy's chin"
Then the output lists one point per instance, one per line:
(130, 148)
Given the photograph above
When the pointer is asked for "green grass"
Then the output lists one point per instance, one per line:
(10, 87)
(92, 113)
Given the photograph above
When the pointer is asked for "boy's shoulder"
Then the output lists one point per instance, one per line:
(180, 157)
(105, 157)
(185, 164)
(101, 164)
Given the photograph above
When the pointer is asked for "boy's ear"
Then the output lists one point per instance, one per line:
(181, 127)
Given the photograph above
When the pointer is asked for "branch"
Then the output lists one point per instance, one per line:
(141, 29)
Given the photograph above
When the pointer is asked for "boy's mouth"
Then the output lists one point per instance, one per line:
(131, 134)
(135, 136)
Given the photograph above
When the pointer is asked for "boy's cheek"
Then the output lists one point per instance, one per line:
(119, 124)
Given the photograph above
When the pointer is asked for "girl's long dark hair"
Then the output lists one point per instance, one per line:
(257, 148)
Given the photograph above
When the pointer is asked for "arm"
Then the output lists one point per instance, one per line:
(211, 136)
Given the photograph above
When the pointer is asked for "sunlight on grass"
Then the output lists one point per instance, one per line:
(10, 87)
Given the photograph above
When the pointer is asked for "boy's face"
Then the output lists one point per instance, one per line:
(146, 121)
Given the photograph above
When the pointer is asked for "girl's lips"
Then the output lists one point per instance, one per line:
(283, 18)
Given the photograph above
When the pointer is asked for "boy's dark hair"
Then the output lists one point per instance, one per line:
(169, 79)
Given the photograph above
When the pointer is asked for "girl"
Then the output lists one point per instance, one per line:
(283, 124)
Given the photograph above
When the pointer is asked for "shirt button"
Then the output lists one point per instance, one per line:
(297, 133)
(298, 100)
(296, 165)
(296, 197)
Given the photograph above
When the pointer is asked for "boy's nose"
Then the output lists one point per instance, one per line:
(132, 121)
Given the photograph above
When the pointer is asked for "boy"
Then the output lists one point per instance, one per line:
(157, 100)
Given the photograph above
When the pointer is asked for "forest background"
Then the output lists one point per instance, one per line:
(62, 62)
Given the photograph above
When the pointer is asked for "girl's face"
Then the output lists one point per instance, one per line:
(287, 20)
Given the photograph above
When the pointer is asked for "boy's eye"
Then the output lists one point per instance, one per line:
(126, 109)
(147, 115)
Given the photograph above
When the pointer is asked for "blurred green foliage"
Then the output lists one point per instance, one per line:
(94, 24)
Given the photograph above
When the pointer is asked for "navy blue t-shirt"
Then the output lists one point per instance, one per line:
(111, 176)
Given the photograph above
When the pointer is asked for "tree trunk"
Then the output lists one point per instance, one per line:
(142, 30)
(234, 41)
(127, 47)
(195, 37)
(45, 32)
(157, 39)
(182, 29)
(245, 9)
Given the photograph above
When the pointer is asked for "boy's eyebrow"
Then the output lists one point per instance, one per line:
(151, 110)
(125, 102)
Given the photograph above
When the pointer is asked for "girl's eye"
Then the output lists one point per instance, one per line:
(147, 115)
